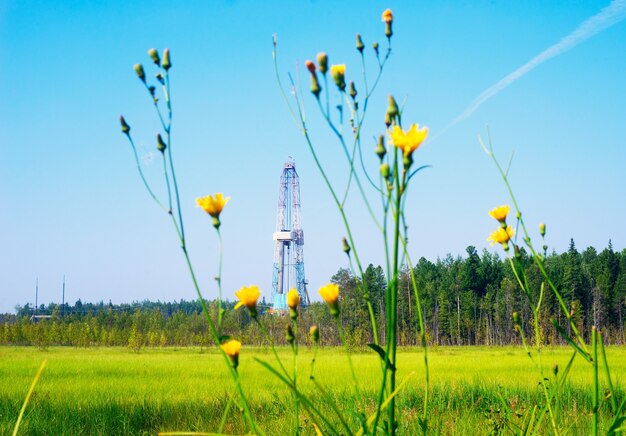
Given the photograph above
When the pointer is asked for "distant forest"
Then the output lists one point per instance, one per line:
(465, 300)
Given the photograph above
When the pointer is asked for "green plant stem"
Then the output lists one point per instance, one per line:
(608, 373)
(271, 341)
(294, 349)
(422, 332)
(596, 384)
(219, 282)
(143, 178)
(342, 338)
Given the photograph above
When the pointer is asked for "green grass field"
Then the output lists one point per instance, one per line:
(115, 391)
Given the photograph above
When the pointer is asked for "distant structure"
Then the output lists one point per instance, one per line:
(288, 242)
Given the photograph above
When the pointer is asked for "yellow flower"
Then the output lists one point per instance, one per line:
(338, 73)
(387, 16)
(411, 140)
(501, 236)
(293, 298)
(232, 349)
(248, 296)
(330, 294)
(499, 213)
(213, 205)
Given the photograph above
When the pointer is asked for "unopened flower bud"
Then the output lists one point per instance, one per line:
(154, 55)
(125, 126)
(517, 251)
(352, 90)
(140, 73)
(542, 229)
(516, 318)
(167, 63)
(314, 332)
(346, 246)
(315, 85)
(322, 61)
(387, 119)
(381, 150)
(555, 369)
(289, 336)
(160, 144)
(375, 47)
(359, 43)
(160, 78)
(385, 171)
(392, 107)
(310, 66)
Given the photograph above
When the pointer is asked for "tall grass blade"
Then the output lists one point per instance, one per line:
(28, 395)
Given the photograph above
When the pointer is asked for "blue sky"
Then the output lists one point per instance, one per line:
(73, 203)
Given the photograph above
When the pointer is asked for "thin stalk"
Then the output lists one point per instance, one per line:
(294, 349)
(143, 178)
(608, 373)
(28, 395)
(169, 152)
(269, 337)
(596, 384)
(219, 282)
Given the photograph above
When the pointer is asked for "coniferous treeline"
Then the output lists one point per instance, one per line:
(465, 301)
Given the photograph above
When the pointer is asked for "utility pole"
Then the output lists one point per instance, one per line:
(63, 304)
(36, 294)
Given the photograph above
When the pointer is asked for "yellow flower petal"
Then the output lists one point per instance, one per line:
(213, 205)
(500, 213)
(411, 140)
(248, 296)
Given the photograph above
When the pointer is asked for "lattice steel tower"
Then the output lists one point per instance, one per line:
(288, 241)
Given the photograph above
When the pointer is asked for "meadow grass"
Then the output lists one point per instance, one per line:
(116, 391)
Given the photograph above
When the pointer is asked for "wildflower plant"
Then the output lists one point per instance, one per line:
(394, 155)
(551, 381)
(171, 206)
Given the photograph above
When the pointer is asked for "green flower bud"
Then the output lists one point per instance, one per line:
(387, 119)
(542, 229)
(392, 107)
(167, 63)
(516, 318)
(322, 61)
(160, 144)
(353, 92)
(375, 47)
(346, 246)
(359, 43)
(289, 336)
(381, 150)
(140, 73)
(555, 369)
(315, 86)
(385, 171)
(125, 126)
(154, 55)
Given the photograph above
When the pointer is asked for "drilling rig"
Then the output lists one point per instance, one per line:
(288, 242)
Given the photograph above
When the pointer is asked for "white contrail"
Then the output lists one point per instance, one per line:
(608, 16)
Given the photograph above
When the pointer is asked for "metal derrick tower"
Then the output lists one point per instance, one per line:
(288, 241)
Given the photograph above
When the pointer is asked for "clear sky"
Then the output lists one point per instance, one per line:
(73, 204)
